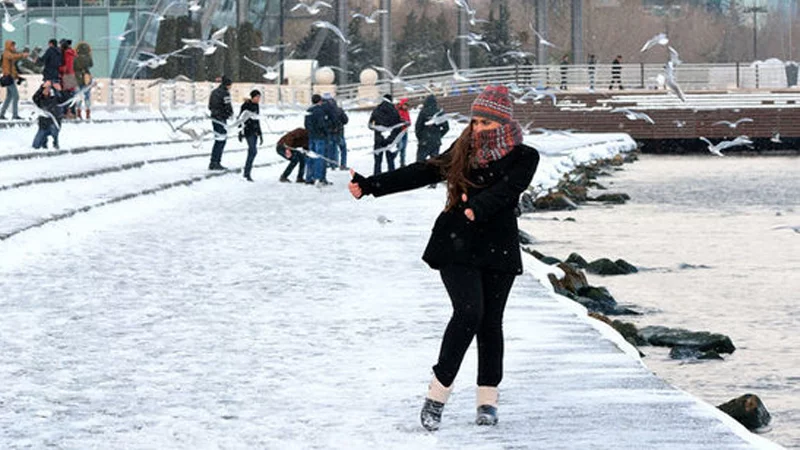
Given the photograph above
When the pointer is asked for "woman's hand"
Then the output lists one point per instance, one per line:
(468, 212)
(354, 188)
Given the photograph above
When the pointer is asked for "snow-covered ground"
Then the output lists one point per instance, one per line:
(227, 314)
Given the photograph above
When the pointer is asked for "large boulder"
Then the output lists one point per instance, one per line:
(614, 197)
(526, 203)
(626, 266)
(556, 201)
(575, 192)
(598, 299)
(626, 329)
(577, 260)
(701, 340)
(605, 266)
(681, 352)
(574, 280)
(748, 410)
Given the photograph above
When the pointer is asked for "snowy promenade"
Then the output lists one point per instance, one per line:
(234, 315)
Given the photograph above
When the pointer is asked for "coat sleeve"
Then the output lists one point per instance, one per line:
(410, 177)
(505, 192)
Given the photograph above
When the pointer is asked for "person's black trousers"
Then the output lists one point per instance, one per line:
(220, 137)
(252, 151)
(297, 158)
(479, 298)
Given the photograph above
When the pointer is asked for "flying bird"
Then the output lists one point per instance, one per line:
(372, 18)
(209, 46)
(332, 27)
(633, 115)
(8, 21)
(517, 54)
(270, 72)
(673, 56)
(48, 22)
(441, 117)
(271, 48)
(732, 124)
(118, 37)
(542, 40)
(473, 40)
(457, 75)
(795, 228)
(717, 149)
(671, 83)
(20, 5)
(776, 138)
(313, 8)
(394, 79)
(194, 5)
(659, 39)
(470, 12)
(170, 81)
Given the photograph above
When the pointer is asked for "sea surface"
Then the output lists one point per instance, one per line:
(703, 231)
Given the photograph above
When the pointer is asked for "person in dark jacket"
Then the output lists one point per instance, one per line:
(219, 104)
(338, 146)
(51, 61)
(47, 98)
(251, 131)
(429, 137)
(385, 116)
(616, 73)
(290, 146)
(474, 243)
(317, 124)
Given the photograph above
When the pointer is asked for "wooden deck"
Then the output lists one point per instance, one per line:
(677, 125)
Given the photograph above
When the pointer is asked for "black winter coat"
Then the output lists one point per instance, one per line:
(252, 127)
(219, 103)
(49, 103)
(317, 122)
(429, 137)
(51, 61)
(385, 115)
(492, 240)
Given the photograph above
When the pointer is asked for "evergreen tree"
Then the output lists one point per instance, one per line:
(363, 52)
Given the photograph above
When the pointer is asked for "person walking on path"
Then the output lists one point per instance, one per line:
(251, 130)
(47, 98)
(592, 68)
(317, 124)
(82, 65)
(474, 243)
(564, 70)
(219, 104)
(9, 79)
(616, 73)
(429, 137)
(51, 61)
(385, 117)
(289, 146)
(405, 116)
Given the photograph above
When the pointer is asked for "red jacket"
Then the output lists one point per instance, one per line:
(67, 60)
(404, 114)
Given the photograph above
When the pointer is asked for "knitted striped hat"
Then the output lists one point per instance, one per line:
(494, 103)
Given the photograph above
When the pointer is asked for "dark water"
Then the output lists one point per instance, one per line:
(702, 227)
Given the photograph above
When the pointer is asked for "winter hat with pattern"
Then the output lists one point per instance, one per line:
(493, 103)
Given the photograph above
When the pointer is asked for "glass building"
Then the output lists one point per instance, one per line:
(102, 24)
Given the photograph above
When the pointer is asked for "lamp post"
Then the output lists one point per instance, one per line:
(755, 10)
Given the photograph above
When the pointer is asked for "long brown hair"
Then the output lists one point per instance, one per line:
(456, 168)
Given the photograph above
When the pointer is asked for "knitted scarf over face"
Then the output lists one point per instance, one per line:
(491, 145)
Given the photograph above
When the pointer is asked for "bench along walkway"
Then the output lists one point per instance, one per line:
(268, 315)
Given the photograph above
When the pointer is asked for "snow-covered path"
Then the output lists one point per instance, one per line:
(243, 315)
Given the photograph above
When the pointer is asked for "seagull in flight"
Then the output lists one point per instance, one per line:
(542, 40)
(209, 46)
(394, 79)
(732, 124)
(48, 22)
(673, 56)
(332, 27)
(441, 117)
(372, 18)
(669, 81)
(776, 138)
(475, 39)
(470, 12)
(171, 81)
(270, 72)
(659, 39)
(8, 21)
(118, 37)
(717, 149)
(313, 8)
(633, 115)
(457, 75)
(517, 54)
(795, 228)
(271, 48)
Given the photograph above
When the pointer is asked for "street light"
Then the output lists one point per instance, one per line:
(755, 10)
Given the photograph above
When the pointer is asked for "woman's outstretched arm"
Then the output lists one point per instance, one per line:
(410, 177)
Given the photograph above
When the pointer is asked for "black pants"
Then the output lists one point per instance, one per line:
(220, 137)
(479, 299)
(297, 158)
(252, 151)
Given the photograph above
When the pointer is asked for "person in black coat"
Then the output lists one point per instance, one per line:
(385, 115)
(429, 137)
(616, 72)
(48, 100)
(317, 123)
(474, 243)
(251, 130)
(219, 104)
(51, 61)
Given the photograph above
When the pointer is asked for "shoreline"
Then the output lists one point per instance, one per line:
(567, 190)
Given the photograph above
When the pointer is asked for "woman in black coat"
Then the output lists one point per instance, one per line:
(251, 131)
(474, 243)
